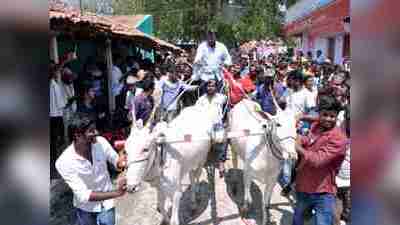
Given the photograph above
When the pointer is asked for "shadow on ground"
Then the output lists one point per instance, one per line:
(235, 190)
(186, 211)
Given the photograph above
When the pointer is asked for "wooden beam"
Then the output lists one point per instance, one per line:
(53, 48)
(111, 99)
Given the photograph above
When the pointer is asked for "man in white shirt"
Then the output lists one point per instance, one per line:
(117, 83)
(309, 85)
(299, 99)
(70, 98)
(214, 99)
(57, 104)
(83, 166)
(210, 55)
(131, 93)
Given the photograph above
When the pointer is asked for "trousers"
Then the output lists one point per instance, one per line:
(323, 204)
(106, 217)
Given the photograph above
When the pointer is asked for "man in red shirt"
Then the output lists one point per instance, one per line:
(248, 81)
(321, 154)
(236, 90)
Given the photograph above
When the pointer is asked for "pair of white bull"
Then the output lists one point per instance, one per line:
(183, 158)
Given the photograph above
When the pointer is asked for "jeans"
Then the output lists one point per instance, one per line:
(285, 175)
(95, 218)
(322, 203)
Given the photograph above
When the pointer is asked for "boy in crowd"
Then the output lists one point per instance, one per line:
(321, 153)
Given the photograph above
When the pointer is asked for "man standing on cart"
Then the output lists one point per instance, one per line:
(211, 55)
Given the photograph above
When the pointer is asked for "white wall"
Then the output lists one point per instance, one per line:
(339, 49)
(320, 44)
(304, 43)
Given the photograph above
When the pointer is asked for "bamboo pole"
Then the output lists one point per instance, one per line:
(111, 99)
(53, 48)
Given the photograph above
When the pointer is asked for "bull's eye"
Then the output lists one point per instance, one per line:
(278, 124)
(146, 150)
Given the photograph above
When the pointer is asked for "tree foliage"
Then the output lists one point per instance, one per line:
(291, 2)
(187, 20)
(128, 7)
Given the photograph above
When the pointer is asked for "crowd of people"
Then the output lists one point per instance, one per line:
(265, 71)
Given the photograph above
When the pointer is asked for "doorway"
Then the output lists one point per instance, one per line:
(331, 49)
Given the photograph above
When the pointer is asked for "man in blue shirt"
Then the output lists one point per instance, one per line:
(244, 65)
(144, 103)
(263, 93)
(171, 88)
(320, 57)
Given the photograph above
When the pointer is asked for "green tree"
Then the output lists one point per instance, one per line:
(261, 20)
(128, 7)
(291, 2)
(186, 20)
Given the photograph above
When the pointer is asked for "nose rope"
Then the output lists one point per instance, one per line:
(272, 141)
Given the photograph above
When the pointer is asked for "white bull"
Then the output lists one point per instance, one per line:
(180, 159)
(260, 164)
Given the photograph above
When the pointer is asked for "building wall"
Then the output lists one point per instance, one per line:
(304, 43)
(84, 49)
(338, 49)
(320, 27)
(325, 21)
(320, 44)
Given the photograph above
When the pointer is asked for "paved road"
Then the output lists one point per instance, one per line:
(140, 208)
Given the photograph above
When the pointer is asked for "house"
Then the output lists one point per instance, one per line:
(320, 25)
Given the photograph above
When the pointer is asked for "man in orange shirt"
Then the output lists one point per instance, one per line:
(236, 91)
(248, 81)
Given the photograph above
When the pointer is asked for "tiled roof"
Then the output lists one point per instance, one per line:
(116, 25)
